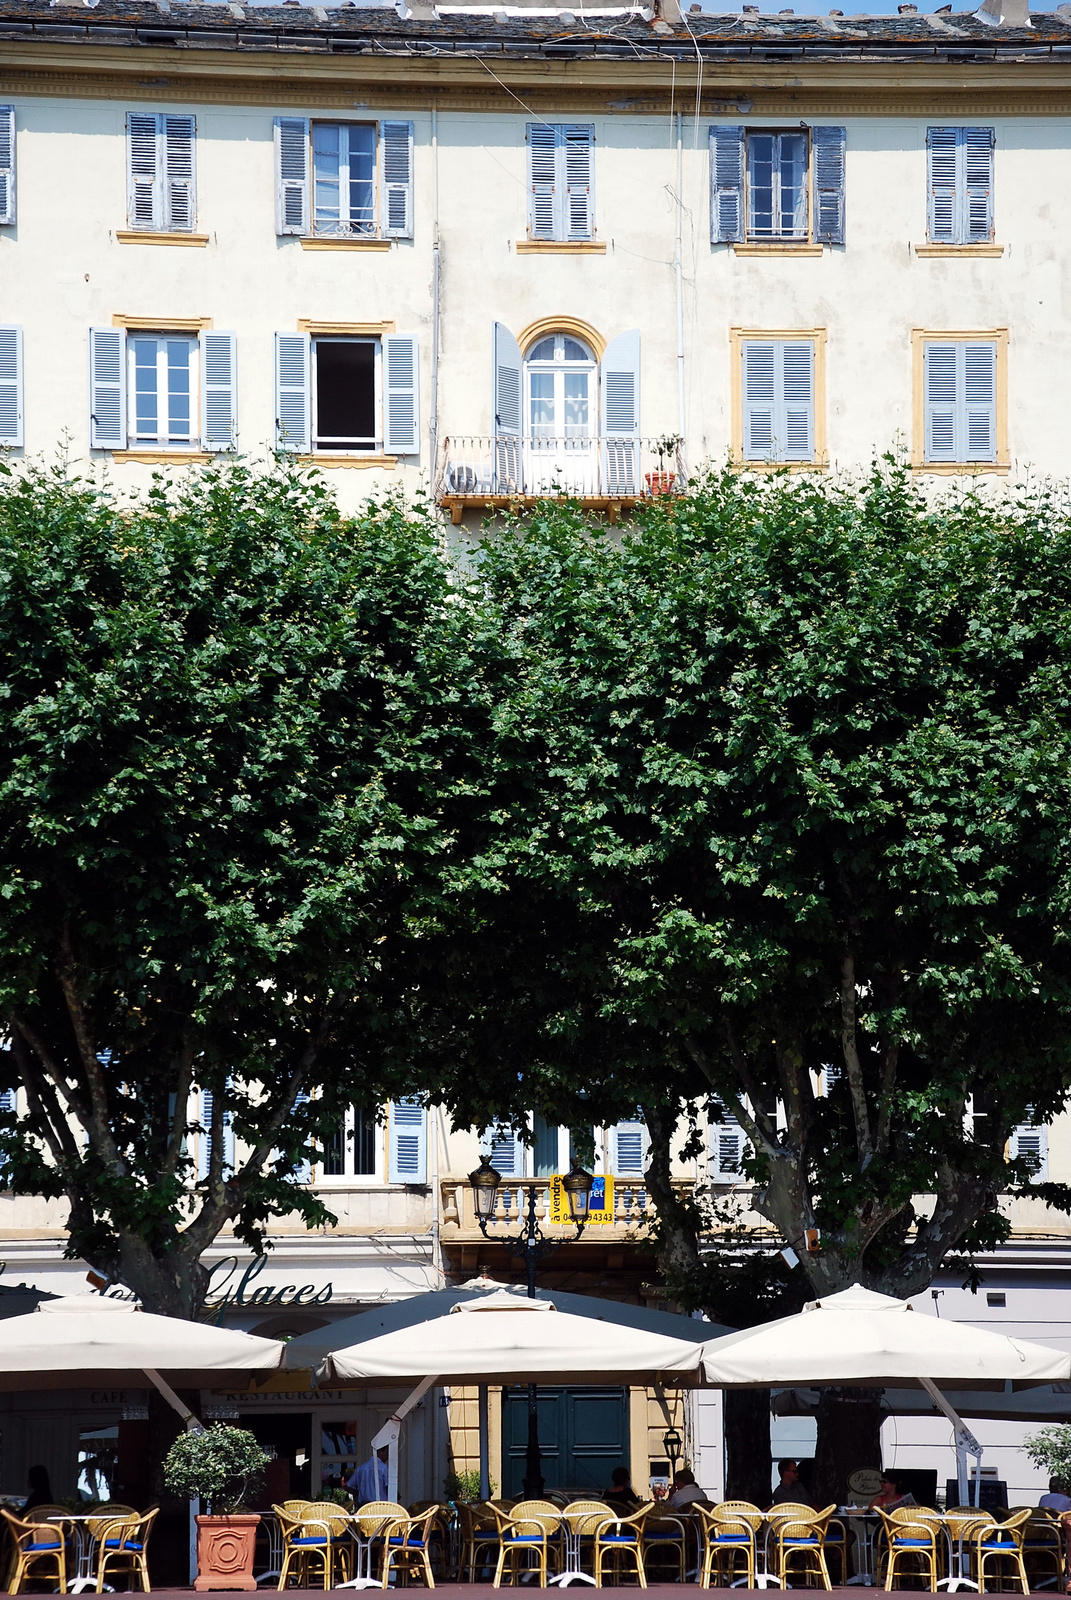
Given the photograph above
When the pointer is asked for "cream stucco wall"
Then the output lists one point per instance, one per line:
(62, 270)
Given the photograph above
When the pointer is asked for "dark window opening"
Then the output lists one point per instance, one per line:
(996, 1300)
(358, 1140)
(345, 394)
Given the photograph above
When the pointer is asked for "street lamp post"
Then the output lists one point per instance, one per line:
(671, 1444)
(532, 1246)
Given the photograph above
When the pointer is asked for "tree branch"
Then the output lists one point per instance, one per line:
(852, 1065)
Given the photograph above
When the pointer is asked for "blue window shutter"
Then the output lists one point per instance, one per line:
(577, 157)
(7, 164)
(760, 399)
(941, 163)
(1030, 1142)
(828, 148)
(11, 429)
(976, 159)
(408, 1142)
(506, 390)
(979, 389)
(219, 421)
(504, 1146)
(107, 388)
(545, 209)
(401, 362)
(728, 1147)
(628, 1147)
(204, 1143)
(796, 420)
(293, 397)
(291, 175)
(726, 185)
(179, 199)
(620, 381)
(396, 139)
(942, 401)
(144, 190)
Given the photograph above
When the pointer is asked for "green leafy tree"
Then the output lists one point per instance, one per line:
(232, 740)
(220, 1464)
(784, 827)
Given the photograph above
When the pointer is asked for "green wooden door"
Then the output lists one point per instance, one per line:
(583, 1436)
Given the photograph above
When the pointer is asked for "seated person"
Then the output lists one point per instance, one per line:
(686, 1492)
(790, 1491)
(888, 1496)
(619, 1495)
(40, 1489)
(1057, 1499)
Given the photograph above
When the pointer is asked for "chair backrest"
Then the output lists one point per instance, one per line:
(812, 1526)
(740, 1508)
(918, 1532)
(634, 1520)
(794, 1510)
(375, 1516)
(528, 1515)
(43, 1513)
(585, 1516)
(292, 1508)
(103, 1516)
(329, 1512)
(717, 1524)
(24, 1532)
(129, 1530)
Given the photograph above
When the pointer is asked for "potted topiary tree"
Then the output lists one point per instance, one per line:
(219, 1465)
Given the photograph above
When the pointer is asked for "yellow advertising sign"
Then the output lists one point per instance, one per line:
(600, 1202)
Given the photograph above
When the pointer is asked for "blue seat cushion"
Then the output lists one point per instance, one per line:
(56, 1546)
(618, 1538)
(795, 1544)
(1007, 1545)
(117, 1544)
(412, 1544)
(732, 1538)
(912, 1544)
(311, 1538)
(524, 1538)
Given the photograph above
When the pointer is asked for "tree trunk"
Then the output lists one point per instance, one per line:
(748, 1474)
(849, 1438)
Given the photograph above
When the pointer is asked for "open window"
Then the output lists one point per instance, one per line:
(773, 186)
(346, 394)
(344, 180)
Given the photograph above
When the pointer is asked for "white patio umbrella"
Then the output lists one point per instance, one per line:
(504, 1338)
(858, 1338)
(89, 1341)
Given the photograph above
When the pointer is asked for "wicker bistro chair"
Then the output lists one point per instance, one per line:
(726, 1540)
(408, 1540)
(620, 1537)
(665, 1541)
(368, 1525)
(39, 1552)
(123, 1542)
(526, 1531)
(1043, 1549)
(479, 1539)
(994, 1543)
(315, 1538)
(801, 1544)
(910, 1540)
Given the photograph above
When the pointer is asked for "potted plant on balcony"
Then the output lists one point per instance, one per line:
(219, 1466)
(663, 481)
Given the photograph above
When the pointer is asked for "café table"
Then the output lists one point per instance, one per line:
(866, 1525)
(85, 1548)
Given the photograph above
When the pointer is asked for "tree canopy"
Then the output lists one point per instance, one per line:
(233, 741)
(783, 827)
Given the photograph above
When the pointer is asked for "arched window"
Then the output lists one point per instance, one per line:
(561, 389)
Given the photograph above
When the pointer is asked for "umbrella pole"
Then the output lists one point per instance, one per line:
(966, 1444)
(192, 1424)
(485, 1466)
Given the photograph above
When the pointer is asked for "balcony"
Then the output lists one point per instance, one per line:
(631, 1209)
(502, 472)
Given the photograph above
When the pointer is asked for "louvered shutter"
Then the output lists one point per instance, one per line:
(797, 400)
(544, 203)
(401, 433)
(204, 1143)
(397, 143)
(180, 207)
(291, 175)
(620, 382)
(827, 150)
(778, 391)
(829, 1078)
(760, 399)
(143, 167)
(577, 153)
(628, 1147)
(11, 432)
(979, 365)
(7, 1101)
(941, 400)
(505, 1149)
(219, 421)
(726, 185)
(7, 164)
(941, 147)
(506, 381)
(1030, 1142)
(107, 388)
(976, 145)
(293, 407)
(728, 1147)
(408, 1142)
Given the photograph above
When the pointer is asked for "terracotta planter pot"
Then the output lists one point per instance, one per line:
(225, 1552)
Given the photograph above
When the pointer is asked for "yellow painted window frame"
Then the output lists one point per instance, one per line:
(737, 336)
(920, 338)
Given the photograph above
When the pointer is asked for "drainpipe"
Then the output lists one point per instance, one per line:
(678, 268)
(433, 424)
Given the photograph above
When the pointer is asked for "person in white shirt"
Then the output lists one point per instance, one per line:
(686, 1492)
(1057, 1499)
